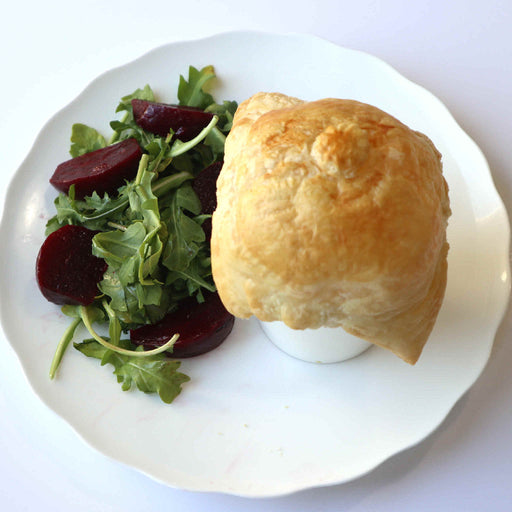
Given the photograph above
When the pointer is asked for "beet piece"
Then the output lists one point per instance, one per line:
(66, 270)
(201, 326)
(160, 118)
(205, 186)
(103, 170)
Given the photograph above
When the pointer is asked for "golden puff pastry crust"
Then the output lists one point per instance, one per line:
(332, 213)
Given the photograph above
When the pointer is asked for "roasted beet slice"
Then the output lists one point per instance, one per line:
(66, 270)
(201, 326)
(160, 118)
(205, 186)
(103, 170)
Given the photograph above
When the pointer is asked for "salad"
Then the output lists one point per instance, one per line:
(128, 247)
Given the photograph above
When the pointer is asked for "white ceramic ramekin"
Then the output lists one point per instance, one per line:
(323, 345)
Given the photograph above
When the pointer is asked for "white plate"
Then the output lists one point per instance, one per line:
(254, 421)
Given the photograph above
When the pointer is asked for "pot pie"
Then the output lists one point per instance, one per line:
(332, 213)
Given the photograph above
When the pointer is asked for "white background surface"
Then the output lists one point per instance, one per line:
(460, 51)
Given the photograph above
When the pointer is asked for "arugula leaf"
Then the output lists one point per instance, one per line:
(127, 127)
(154, 374)
(159, 150)
(85, 139)
(225, 112)
(114, 326)
(146, 93)
(73, 312)
(116, 247)
(217, 137)
(184, 234)
(92, 212)
(191, 93)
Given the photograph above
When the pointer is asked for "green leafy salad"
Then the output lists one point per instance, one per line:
(150, 234)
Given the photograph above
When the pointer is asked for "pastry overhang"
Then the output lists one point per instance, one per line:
(332, 213)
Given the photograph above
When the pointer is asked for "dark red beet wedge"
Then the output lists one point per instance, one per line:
(201, 326)
(205, 186)
(66, 270)
(103, 170)
(160, 118)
